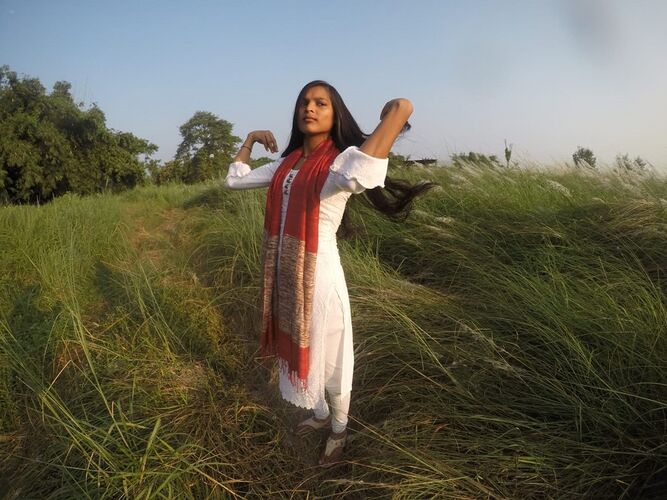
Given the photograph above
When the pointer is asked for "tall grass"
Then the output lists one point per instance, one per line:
(509, 339)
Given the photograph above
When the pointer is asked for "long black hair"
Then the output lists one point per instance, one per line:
(395, 199)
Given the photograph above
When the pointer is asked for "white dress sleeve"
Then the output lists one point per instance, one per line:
(241, 176)
(353, 171)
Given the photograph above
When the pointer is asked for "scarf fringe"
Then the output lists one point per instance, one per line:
(300, 384)
(296, 393)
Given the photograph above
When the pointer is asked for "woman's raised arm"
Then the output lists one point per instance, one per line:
(264, 137)
(240, 175)
(393, 118)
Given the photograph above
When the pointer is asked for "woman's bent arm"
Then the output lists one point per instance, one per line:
(392, 119)
(240, 175)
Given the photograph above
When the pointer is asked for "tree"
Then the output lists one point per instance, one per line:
(479, 159)
(396, 160)
(584, 157)
(49, 145)
(207, 147)
(171, 171)
(258, 162)
(624, 165)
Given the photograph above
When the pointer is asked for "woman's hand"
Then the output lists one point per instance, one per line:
(395, 104)
(265, 138)
(393, 121)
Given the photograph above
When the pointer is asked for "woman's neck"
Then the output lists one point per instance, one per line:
(310, 142)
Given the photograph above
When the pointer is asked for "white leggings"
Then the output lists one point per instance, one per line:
(333, 353)
(340, 406)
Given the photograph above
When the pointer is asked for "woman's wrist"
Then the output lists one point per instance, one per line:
(244, 156)
(248, 143)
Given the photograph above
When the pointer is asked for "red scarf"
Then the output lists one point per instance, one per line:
(287, 308)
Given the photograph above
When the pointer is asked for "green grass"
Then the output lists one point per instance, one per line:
(510, 342)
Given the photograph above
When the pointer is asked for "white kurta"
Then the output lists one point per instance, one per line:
(331, 349)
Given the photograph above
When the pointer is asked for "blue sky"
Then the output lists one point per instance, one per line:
(547, 75)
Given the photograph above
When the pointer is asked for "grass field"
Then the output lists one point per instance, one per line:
(510, 342)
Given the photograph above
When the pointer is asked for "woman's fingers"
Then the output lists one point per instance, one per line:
(266, 139)
(269, 141)
(274, 143)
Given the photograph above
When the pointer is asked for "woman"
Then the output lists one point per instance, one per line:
(306, 310)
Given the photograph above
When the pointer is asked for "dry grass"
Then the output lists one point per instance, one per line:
(509, 339)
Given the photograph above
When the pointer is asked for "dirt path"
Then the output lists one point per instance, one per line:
(168, 238)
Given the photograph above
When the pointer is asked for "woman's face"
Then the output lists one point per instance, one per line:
(315, 112)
